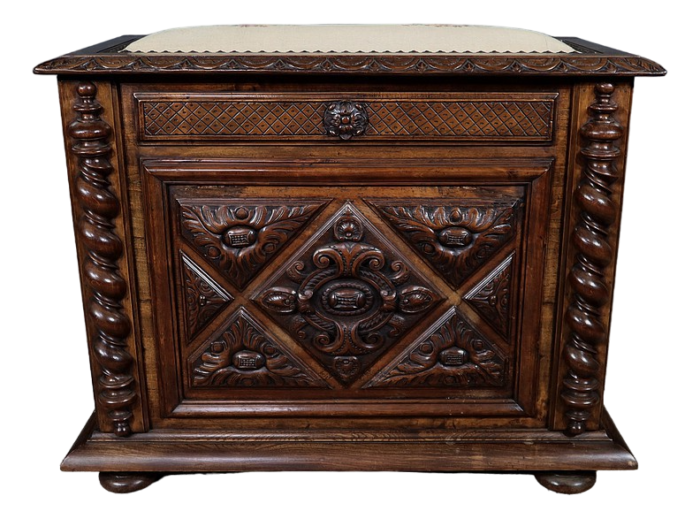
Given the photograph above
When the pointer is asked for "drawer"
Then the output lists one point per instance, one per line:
(518, 118)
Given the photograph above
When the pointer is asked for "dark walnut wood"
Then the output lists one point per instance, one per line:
(204, 298)
(92, 145)
(240, 238)
(507, 450)
(502, 65)
(348, 296)
(232, 117)
(349, 307)
(566, 482)
(451, 354)
(491, 298)
(244, 355)
(587, 278)
(124, 483)
(348, 262)
(456, 239)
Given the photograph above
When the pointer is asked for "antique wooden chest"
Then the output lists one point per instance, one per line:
(347, 248)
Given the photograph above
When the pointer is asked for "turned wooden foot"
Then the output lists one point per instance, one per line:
(125, 482)
(566, 482)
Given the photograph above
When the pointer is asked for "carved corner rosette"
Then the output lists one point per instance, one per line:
(345, 119)
(99, 207)
(588, 283)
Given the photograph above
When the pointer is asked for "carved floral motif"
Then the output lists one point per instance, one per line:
(348, 295)
(240, 236)
(345, 119)
(455, 238)
(452, 353)
(243, 355)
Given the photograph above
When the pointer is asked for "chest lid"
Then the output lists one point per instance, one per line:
(353, 49)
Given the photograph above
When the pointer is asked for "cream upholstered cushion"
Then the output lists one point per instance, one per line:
(348, 39)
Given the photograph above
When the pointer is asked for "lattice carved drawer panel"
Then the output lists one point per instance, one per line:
(465, 117)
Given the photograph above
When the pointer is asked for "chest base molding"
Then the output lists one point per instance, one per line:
(130, 464)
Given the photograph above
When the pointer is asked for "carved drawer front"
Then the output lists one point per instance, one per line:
(231, 117)
(323, 299)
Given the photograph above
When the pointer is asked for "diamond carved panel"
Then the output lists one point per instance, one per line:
(232, 118)
(451, 354)
(243, 355)
(239, 236)
(348, 295)
(460, 116)
(203, 297)
(491, 298)
(456, 237)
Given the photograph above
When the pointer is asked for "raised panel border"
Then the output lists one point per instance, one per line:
(534, 174)
(172, 117)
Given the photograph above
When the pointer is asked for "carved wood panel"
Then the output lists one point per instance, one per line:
(455, 236)
(204, 298)
(452, 353)
(512, 118)
(243, 355)
(348, 295)
(239, 236)
(491, 298)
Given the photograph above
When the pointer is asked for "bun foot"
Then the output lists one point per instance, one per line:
(566, 482)
(125, 482)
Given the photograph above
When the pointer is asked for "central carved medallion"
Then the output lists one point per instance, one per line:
(348, 295)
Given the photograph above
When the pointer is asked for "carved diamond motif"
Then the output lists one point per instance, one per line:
(456, 238)
(240, 236)
(243, 355)
(452, 353)
(491, 297)
(204, 298)
(232, 118)
(461, 118)
(220, 118)
(348, 295)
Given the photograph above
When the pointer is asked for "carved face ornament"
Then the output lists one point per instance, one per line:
(345, 119)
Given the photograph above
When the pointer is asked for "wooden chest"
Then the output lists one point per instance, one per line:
(347, 249)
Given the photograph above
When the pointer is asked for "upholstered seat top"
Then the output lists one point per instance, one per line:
(348, 39)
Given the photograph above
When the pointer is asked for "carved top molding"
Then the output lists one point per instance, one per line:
(594, 64)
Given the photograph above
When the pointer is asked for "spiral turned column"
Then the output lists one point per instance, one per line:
(590, 290)
(99, 207)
